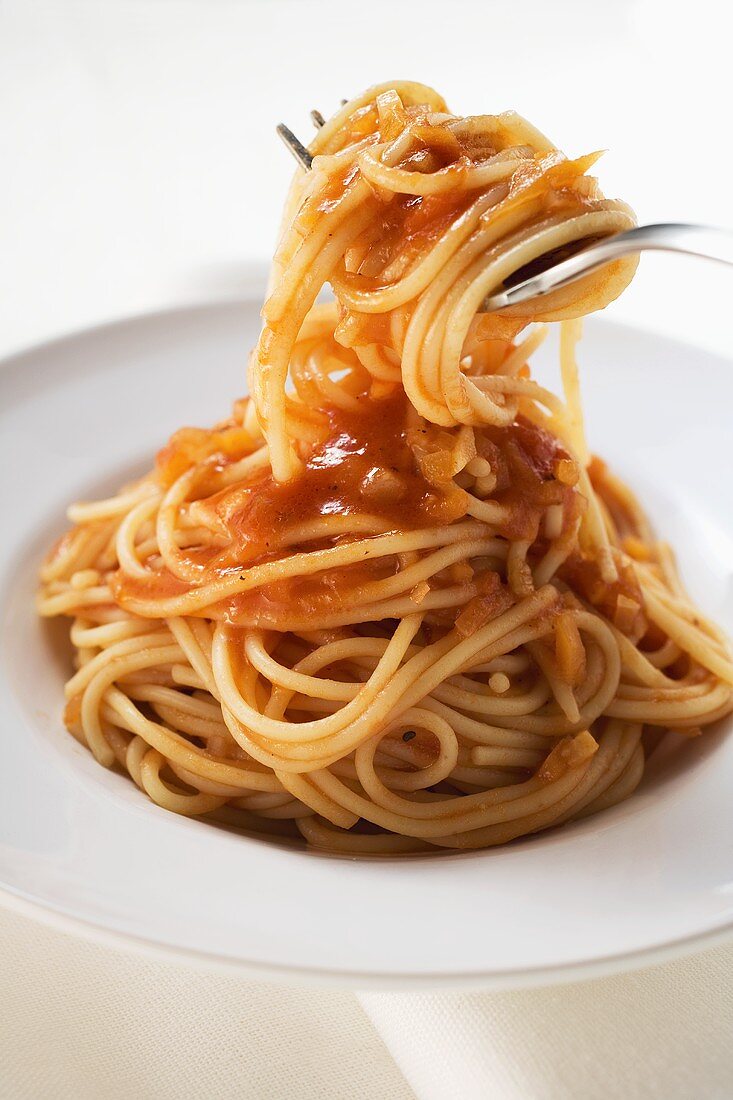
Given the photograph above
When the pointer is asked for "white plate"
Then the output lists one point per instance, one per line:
(649, 877)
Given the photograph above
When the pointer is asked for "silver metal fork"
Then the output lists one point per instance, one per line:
(693, 240)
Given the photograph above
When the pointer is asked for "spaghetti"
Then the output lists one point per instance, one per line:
(392, 603)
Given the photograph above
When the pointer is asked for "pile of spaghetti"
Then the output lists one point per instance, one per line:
(392, 603)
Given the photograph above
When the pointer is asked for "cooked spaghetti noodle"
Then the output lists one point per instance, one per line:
(392, 604)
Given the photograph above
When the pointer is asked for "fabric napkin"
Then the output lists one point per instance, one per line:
(663, 1033)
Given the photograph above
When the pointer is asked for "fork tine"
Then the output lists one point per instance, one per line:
(296, 147)
(317, 119)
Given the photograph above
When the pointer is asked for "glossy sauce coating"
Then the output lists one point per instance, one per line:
(364, 466)
(377, 465)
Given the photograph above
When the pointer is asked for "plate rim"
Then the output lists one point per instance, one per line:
(304, 976)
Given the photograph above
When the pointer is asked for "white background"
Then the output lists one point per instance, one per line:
(139, 167)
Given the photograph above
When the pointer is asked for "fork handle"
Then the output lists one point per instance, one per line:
(695, 240)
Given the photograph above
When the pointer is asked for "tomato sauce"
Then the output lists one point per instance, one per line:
(364, 466)
(376, 461)
(526, 460)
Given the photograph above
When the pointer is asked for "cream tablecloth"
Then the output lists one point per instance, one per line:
(80, 1021)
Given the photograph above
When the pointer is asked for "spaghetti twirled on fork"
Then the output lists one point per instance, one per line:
(392, 603)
